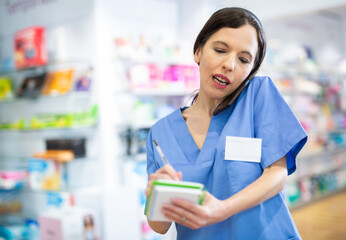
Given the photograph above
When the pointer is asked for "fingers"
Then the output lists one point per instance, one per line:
(207, 197)
(166, 172)
(180, 176)
(186, 205)
(186, 219)
(169, 170)
(185, 212)
(153, 177)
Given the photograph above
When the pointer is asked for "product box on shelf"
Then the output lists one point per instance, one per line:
(88, 118)
(69, 223)
(153, 76)
(29, 47)
(61, 156)
(31, 86)
(15, 231)
(83, 80)
(15, 125)
(54, 121)
(58, 82)
(182, 76)
(45, 121)
(76, 145)
(5, 88)
(46, 175)
(10, 201)
(12, 179)
(144, 75)
(14, 227)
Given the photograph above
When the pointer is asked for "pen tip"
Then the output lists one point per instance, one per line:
(154, 141)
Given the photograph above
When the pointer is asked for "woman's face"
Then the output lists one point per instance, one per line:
(226, 60)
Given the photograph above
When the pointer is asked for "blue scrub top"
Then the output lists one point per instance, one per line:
(259, 112)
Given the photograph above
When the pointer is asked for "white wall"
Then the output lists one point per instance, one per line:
(299, 22)
(343, 38)
(18, 14)
(67, 29)
(320, 32)
(194, 13)
(274, 9)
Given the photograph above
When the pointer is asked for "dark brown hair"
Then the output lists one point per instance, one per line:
(233, 17)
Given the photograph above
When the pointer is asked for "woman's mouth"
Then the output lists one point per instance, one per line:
(220, 81)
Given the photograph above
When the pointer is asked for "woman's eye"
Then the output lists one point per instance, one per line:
(244, 60)
(219, 50)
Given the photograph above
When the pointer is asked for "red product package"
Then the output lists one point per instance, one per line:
(29, 47)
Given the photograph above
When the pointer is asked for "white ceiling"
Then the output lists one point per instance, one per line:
(338, 11)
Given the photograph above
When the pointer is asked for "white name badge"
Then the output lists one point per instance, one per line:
(243, 149)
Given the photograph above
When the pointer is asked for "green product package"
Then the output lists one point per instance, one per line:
(16, 125)
(43, 121)
(5, 88)
(88, 118)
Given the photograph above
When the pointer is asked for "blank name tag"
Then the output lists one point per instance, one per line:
(243, 149)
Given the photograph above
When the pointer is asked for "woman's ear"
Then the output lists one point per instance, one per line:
(197, 56)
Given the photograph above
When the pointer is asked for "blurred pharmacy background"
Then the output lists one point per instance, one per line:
(82, 81)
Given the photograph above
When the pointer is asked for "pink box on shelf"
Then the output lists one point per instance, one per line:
(65, 224)
(191, 74)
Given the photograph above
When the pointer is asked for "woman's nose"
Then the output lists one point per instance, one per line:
(229, 63)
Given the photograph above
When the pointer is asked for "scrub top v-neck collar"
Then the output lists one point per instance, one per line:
(188, 145)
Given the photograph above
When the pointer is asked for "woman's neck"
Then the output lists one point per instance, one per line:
(204, 105)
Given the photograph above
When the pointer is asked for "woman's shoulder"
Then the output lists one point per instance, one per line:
(163, 122)
(258, 81)
(263, 84)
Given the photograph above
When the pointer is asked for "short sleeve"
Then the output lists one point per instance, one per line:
(277, 126)
(152, 166)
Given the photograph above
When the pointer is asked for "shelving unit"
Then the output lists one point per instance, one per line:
(144, 100)
(45, 117)
(321, 166)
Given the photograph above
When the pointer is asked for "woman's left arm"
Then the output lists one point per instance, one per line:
(270, 183)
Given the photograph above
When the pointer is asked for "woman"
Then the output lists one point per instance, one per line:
(245, 198)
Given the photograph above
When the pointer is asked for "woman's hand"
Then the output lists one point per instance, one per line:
(166, 172)
(193, 215)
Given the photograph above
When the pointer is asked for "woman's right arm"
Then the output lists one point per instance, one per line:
(166, 172)
(159, 227)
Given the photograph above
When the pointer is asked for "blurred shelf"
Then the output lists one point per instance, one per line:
(11, 218)
(296, 93)
(12, 158)
(312, 174)
(315, 199)
(50, 65)
(70, 131)
(70, 95)
(140, 157)
(323, 160)
(22, 160)
(162, 92)
(322, 154)
(313, 73)
(144, 124)
(161, 60)
(329, 131)
(79, 189)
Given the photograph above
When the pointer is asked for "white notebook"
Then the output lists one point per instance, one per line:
(162, 191)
